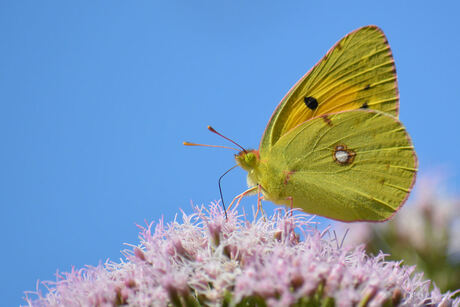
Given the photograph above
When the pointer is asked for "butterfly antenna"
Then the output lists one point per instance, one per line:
(220, 190)
(214, 131)
(206, 145)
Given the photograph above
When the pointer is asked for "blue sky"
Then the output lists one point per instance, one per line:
(96, 98)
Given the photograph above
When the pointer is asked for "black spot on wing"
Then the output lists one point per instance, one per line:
(364, 106)
(310, 102)
(367, 87)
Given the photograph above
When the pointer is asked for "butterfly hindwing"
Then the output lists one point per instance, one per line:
(353, 165)
(358, 72)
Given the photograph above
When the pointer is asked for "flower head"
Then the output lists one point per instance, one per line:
(208, 260)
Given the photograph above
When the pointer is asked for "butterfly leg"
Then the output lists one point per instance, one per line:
(291, 200)
(259, 200)
(239, 197)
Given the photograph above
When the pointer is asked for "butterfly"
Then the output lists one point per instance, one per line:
(334, 146)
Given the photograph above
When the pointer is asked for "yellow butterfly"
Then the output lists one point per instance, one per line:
(334, 145)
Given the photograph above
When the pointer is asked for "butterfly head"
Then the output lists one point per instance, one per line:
(247, 159)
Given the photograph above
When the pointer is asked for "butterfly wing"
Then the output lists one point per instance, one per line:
(353, 166)
(358, 72)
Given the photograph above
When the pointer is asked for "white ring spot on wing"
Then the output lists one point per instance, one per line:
(342, 156)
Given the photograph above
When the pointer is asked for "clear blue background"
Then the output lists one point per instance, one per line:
(96, 98)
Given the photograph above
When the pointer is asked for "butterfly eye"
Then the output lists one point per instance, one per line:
(310, 102)
(342, 155)
(250, 158)
(247, 160)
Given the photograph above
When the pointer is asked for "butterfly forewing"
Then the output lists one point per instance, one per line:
(358, 72)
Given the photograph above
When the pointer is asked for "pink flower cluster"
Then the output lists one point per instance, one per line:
(208, 260)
